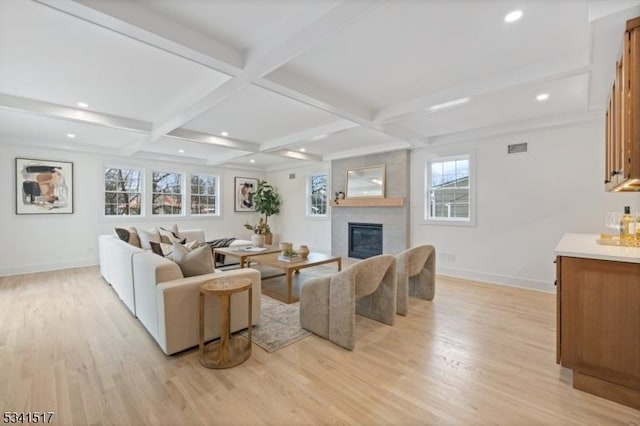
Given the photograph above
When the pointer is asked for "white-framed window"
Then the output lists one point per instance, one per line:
(204, 195)
(166, 193)
(449, 196)
(123, 191)
(317, 195)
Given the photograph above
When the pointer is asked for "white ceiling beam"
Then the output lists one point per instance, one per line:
(366, 150)
(279, 49)
(300, 33)
(169, 158)
(152, 30)
(320, 93)
(534, 75)
(403, 133)
(205, 138)
(296, 155)
(46, 109)
(47, 144)
(188, 112)
(225, 158)
(351, 112)
(517, 127)
(307, 135)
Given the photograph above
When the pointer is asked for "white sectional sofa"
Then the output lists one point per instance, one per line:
(154, 289)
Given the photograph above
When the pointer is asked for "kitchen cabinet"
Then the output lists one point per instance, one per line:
(598, 317)
(622, 122)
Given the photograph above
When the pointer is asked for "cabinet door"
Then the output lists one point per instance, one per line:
(619, 151)
(558, 309)
(632, 99)
(600, 310)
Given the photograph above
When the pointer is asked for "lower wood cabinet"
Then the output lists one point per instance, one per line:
(599, 326)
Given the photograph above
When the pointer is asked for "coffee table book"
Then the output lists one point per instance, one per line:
(295, 258)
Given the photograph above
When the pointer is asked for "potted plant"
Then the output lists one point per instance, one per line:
(267, 201)
(260, 230)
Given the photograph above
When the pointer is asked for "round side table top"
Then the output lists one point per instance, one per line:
(225, 285)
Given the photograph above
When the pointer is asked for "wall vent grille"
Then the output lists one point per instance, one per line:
(518, 148)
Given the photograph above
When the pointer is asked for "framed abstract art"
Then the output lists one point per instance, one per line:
(245, 188)
(44, 186)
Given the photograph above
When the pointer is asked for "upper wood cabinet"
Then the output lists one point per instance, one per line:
(622, 153)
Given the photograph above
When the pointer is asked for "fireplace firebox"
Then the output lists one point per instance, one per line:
(365, 240)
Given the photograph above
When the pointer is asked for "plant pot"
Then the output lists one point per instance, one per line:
(257, 240)
(268, 239)
(285, 246)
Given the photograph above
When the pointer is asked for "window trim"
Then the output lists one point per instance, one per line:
(307, 210)
(218, 212)
(143, 203)
(471, 221)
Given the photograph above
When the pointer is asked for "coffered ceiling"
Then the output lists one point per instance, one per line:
(274, 84)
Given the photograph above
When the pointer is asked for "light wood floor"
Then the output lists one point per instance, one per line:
(477, 354)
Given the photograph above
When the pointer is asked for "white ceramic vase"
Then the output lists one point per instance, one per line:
(257, 240)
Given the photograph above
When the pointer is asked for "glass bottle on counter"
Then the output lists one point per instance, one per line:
(627, 227)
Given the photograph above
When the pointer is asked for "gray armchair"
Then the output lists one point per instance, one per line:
(416, 268)
(328, 305)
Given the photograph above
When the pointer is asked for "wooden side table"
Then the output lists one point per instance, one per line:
(230, 350)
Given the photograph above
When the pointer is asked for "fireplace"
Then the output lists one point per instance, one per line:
(365, 240)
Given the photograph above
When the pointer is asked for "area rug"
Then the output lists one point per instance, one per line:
(279, 325)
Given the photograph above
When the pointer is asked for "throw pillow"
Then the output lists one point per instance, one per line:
(147, 236)
(123, 234)
(170, 236)
(194, 262)
(134, 239)
(156, 248)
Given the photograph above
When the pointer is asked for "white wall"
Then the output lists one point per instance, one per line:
(46, 242)
(292, 224)
(525, 203)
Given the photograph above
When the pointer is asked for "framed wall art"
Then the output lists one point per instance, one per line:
(245, 188)
(44, 186)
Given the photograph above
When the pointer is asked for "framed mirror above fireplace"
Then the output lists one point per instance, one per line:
(366, 182)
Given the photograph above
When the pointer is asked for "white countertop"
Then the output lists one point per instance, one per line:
(585, 245)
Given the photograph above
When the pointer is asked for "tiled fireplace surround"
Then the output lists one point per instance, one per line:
(394, 220)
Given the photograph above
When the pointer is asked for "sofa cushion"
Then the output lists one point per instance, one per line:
(123, 234)
(166, 250)
(134, 239)
(156, 248)
(170, 236)
(147, 236)
(198, 261)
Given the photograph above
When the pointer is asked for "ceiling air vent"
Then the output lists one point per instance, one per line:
(518, 148)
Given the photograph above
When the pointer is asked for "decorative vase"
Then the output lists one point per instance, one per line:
(257, 240)
(304, 252)
(268, 239)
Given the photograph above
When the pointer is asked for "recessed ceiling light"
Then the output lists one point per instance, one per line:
(224, 134)
(449, 104)
(252, 161)
(513, 16)
(542, 97)
(303, 149)
(181, 151)
(83, 104)
(71, 135)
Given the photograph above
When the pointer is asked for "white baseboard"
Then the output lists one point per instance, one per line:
(30, 269)
(497, 279)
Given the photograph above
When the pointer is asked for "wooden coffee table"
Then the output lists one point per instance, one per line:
(244, 252)
(314, 259)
